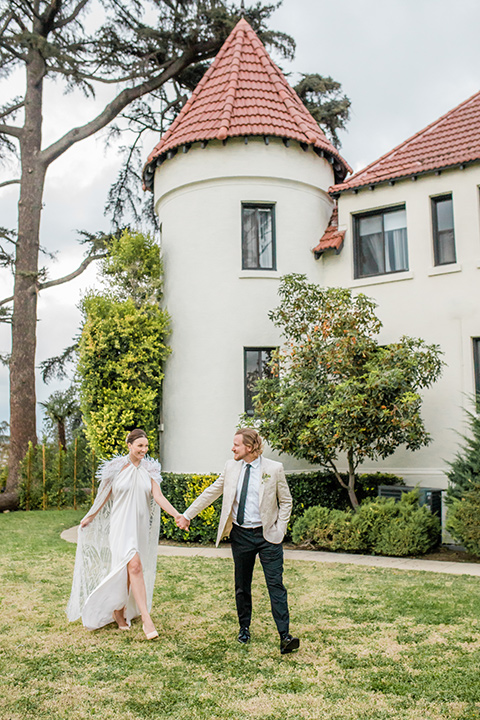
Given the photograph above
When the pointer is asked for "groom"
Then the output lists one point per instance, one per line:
(255, 511)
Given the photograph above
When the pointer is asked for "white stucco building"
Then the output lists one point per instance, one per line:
(246, 189)
(241, 190)
(410, 225)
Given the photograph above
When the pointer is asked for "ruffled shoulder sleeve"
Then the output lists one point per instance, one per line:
(108, 469)
(106, 472)
(153, 468)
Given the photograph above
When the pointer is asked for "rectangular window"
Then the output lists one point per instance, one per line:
(443, 232)
(476, 369)
(381, 242)
(255, 363)
(258, 237)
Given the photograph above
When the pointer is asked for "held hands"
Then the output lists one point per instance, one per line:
(182, 522)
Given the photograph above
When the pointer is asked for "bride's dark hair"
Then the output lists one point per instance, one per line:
(135, 435)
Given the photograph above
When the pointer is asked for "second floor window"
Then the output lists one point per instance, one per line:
(443, 232)
(258, 237)
(381, 242)
(255, 367)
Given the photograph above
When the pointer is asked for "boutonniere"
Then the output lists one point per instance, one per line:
(265, 477)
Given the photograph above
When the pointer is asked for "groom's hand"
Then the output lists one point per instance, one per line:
(182, 522)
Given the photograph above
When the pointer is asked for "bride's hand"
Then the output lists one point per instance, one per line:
(86, 521)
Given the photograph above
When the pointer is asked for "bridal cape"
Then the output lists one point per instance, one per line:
(127, 523)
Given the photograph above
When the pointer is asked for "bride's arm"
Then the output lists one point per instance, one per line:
(88, 518)
(161, 500)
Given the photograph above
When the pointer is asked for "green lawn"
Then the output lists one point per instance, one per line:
(376, 643)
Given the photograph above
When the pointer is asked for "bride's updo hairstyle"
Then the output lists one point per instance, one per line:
(135, 435)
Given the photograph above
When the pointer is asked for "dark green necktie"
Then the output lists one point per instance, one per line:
(243, 496)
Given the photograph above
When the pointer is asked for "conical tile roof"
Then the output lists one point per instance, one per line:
(243, 93)
(450, 141)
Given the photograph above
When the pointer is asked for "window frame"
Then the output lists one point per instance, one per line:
(435, 231)
(247, 397)
(258, 206)
(476, 370)
(357, 217)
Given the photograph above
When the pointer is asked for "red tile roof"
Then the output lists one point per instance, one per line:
(452, 140)
(332, 238)
(243, 93)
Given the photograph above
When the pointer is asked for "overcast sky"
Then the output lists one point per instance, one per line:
(402, 63)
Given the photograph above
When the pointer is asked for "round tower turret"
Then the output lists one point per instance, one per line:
(240, 183)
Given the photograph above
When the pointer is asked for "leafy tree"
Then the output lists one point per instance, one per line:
(323, 99)
(61, 405)
(464, 473)
(145, 52)
(334, 389)
(122, 347)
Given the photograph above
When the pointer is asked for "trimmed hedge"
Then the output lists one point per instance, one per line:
(181, 490)
(307, 488)
(322, 488)
(311, 488)
(380, 526)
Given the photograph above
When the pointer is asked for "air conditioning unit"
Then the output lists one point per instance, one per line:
(432, 497)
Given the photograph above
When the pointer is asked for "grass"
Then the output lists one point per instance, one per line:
(377, 644)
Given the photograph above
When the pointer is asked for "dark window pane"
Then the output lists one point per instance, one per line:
(476, 368)
(250, 259)
(443, 231)
(258, 237)
(265, 238)
(381, 243)
(256, 367)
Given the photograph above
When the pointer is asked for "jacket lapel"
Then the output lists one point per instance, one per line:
(231, 482)
(262, 483)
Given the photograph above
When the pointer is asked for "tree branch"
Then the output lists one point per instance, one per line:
(72, 16)
(17, 181)
(10, 130)
(124, 98)
(337, 474)
(11, 109)
(66, 278)
(5, 25)
(6, 300)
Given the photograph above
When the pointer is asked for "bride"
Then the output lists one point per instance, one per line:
(116, 558)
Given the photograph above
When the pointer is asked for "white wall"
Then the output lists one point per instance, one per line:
(216, 308)
(440, 305)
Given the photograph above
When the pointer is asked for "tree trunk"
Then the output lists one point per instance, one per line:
(24, 319)
(62, 440)
(351, 482)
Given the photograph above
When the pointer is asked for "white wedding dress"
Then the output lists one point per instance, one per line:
(127, 523)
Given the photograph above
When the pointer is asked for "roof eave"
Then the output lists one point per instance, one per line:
(336, 191)
(339, 165)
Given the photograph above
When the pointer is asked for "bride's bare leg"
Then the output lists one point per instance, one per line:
(119, 617)
(137, 585)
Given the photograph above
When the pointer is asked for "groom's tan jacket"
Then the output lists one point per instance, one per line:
(274, 498)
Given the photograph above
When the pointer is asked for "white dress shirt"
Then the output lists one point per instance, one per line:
(252, 517)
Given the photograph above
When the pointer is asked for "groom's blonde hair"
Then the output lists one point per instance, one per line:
(251, 439)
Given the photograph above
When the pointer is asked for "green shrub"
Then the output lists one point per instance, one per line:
(181, 489)
(380, 526)
(463, 520)
(47, 476)
(327, 528)
(464, 470)
(320, 487)
(3, 477)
